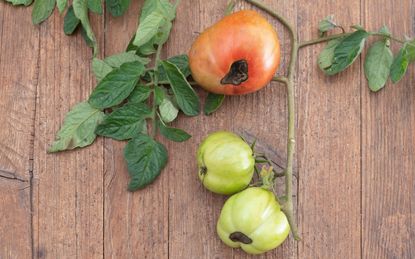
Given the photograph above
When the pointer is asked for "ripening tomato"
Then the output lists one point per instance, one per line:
(226, 163)
(253, 220)
(238, 55)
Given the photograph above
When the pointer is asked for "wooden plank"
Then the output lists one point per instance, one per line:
(388, 165)
(136, 224)
(193, 210)
(68, 187)
(328, 142)
(18, 79)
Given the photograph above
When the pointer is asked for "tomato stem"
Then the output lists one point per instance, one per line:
(155, 84)
(287, 207)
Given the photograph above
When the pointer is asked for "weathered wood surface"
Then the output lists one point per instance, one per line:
(355, 149)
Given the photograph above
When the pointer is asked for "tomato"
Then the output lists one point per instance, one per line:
(226, 162)
(238, 55)
(253, 220)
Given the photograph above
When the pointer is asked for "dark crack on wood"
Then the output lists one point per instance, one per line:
(11, 176)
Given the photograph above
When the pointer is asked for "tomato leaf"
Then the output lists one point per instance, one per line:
(124, 57)
(346, 52)
(145, 159)
(326, 25)
(117, 7)
(378, 61)
(80, 8)
(400, 64)
(95, 6)
(168, 112)
(410, 48)
(148, 28)
(173, 134)
(213, 102)
(124, 122)
(42, 9)
(20, 2)
(325, 59)
(164, 7)
(61, 4)
(159, 94)
(100, 69)
(385, 31)
(70, 22)
(139, 94)
(116, 86)
(186, 97)
(78, 129)
(181, 61)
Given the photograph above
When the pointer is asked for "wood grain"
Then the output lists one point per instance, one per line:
(67, 187)
(388, 164)
(328, 140)
(18, 80)
(355, 149)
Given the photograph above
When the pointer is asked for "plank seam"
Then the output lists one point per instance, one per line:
(32, 147)
(363, 21)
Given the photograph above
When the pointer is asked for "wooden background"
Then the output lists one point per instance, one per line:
(355, 151)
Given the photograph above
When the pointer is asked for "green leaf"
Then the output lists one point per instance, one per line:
(117, 7)
(326, 25)
(181, 61)
(116, 86)
(100, 68)
(124, 57)
(145, 159)
(70, 22)
(42, 9)
(213, 102)
(159, 94)
(173, 134)
(81, 12)
(148, 28)
(61, 4)
(346, 52)
(86, 38)
(325, 59)
(163, 33)
(399, 65)
(164, 7)
(385, 31)
(139, 94)
(20, 2)
(168, 112)
(124, 122)
(186, 97)
(378, 61)
(410, 48)
(95, 6)
(78, 128)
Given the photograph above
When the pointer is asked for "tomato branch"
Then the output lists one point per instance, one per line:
(155, 84)
(287, 207)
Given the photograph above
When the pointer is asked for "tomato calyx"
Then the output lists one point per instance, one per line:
(237, 74)
(203, 170)
(240, 237)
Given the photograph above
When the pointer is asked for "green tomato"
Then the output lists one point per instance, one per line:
(226, 163)
(253, 220)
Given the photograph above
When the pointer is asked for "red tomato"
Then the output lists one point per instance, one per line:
(238, 55)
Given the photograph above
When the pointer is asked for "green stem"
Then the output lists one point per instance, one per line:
(288, 207)
(167, 83)
(323, 39)
(229, 7)
(155, 84)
